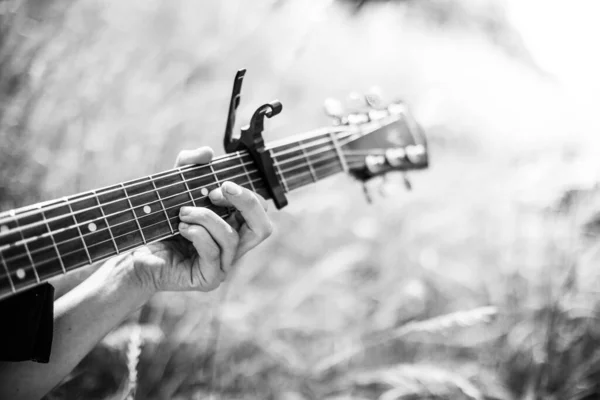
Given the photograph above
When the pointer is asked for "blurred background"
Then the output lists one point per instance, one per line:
(481, 283)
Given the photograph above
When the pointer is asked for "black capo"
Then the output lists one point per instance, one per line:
(251, 139)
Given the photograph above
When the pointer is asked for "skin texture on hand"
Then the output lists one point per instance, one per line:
(200, 258)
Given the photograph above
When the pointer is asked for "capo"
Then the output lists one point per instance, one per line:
(251, 139)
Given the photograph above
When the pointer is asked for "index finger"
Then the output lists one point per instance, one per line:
(200, 155)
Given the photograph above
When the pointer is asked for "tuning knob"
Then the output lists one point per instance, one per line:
(357, 109)
(374, 97)
(334, 109)
(397, 107)
(416, 153)
(406, 181)
(355, 103)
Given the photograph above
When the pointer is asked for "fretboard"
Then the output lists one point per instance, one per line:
(48, 239)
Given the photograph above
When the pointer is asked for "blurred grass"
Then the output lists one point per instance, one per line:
(505, 220)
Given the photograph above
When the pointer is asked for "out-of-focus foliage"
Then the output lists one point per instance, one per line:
(478, 284)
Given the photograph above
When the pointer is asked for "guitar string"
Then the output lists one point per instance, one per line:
(45, 221)
(154, 202)
(177, 171)
(46, 234)
(288, 161)
(172, 172)
(169, 173)
(112, 227)
(94, 195)
(164, 236)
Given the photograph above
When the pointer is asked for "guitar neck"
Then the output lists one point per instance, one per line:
(52, 238)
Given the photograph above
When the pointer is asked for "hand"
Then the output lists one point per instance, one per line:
(202, 256)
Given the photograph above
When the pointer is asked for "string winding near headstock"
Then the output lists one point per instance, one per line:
(377, 139)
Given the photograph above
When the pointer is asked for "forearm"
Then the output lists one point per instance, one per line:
(83, 317)
(65, 283)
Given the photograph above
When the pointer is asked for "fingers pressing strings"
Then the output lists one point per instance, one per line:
(257, 226)
(220, 231)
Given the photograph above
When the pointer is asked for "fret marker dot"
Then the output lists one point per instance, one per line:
(3, 228)
(204, 191)
(20, 273)
(147, 209)
(92, 227)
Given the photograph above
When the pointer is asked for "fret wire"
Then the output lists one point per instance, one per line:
(339, 152)
(283, 162)
(241, 155)
(79, 230)
(312, 171)
(230, 209)
(280, 174)
(296, 174)
(77, 224)
(317, 142)
(62, 265)
(161, 237)
(189, 192)
(248, 177)
(172, 172)
(12, 285)
(215, 175)
(122, 235)
(162, 205)
(125, 234)
(224, 158)
(294, 139)
(133, 212)
(37, 277)
(106, 222)
(122, 223)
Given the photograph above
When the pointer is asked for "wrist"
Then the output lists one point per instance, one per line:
(123, 272)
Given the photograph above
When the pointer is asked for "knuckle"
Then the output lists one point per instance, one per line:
(248, 199)
(212, 283)
(268, 230)
(234, 237)
(195, 231)
(211, 252)
(197, 213)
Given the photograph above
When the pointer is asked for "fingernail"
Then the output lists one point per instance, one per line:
(183, 226)
(232, 188)
(185, 210)
(215, 195)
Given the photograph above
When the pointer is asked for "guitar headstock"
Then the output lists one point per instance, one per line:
(376, 139)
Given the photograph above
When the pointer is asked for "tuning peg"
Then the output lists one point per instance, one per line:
(374, 97)
(407, 183)
(415, 153)
(397, 107)
(357, 109)
(367, 193)
(355, 102)
(334, 109)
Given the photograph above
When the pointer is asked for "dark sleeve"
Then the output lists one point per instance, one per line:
(26, 322)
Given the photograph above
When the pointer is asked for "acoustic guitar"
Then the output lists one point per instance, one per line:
(47, 239)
